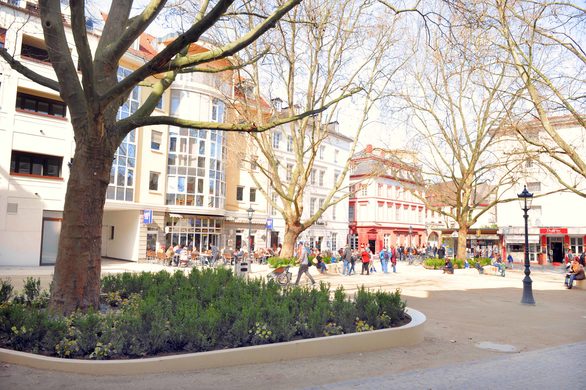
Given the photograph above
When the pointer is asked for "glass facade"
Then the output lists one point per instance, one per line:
(195, 231)
(195, 166)
(122, 173)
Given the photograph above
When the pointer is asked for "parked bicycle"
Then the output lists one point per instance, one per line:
(280, 275)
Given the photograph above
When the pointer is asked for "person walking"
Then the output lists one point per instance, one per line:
(346, 258)
(353, 257)
(393, 255)
(303, 260)
(384, 260)
(365, 255)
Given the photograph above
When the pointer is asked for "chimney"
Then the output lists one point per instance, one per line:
(368, 148)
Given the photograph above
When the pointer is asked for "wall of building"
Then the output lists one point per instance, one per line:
(125, 243)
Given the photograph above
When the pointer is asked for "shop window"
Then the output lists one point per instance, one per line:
(40, 105)
(577, 245)
(24, 163)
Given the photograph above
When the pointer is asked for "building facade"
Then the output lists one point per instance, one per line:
(386, 207)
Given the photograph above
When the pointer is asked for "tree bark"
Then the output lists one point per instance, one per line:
(76, 282)
(292, 231)
(462, 233)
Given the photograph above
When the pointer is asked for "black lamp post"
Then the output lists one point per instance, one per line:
(525, 199)
(410, 234)
(250, 213)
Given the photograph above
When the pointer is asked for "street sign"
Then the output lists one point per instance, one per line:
(270, 223)
(147, 217)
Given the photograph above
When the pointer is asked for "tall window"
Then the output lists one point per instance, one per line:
(252, 195)
(322, 150)
(154, 181)
(334, 242)
(24, 163)
(289, 174)
(312, 204)
(276, 140)
(274, 198)
(321, 178)
(333, 212)
(336, 176)
(218, 108)
(196, 158)
(122, 174)
(336, 155)
(289, 143)
(156, 137)
(364, 190)
(577, 244)
(312, 176)
(240, 193)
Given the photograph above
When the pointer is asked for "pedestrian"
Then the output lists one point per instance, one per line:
(371, 262)
(384, 260)
(365, 255)
(353, 258)
(510, 261)
(303, 261)
(394, 259)
(346, 258)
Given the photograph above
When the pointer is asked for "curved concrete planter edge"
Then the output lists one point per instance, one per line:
(409, 334)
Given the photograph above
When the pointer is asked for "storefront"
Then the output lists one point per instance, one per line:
(197, 231)
(556, 241)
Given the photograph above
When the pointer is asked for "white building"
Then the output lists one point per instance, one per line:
(557, 222)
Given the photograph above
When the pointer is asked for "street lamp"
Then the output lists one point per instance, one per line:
(250, 213)
(525, 199)
(410, 233)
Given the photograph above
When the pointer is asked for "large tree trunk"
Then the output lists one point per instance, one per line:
(462, 233)
(76, 282)
(292, 231)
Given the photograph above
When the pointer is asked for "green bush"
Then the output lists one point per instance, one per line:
(149, 314)
(434, 263)
(6, 290)
(275, 262)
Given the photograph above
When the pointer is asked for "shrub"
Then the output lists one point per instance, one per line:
(149, 314)
(6, 290)
(275, 262)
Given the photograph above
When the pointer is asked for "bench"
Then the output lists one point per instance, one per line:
(581, 284)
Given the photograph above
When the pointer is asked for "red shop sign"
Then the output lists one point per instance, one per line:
(553, 231)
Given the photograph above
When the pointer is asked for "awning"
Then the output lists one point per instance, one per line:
(520, 239)
(175, 215)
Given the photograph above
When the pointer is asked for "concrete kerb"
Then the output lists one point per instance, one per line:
(403, 336)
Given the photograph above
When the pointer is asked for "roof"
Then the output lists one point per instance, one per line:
(398, 164)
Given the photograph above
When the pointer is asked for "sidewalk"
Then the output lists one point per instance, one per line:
(463, 310)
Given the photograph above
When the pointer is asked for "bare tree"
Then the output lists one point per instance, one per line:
(93, 102)
(459, 95)
(545, 42)
(326, 53)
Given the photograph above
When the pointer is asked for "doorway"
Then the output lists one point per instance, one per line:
(50, 237)
(372, 245)
(557, 249)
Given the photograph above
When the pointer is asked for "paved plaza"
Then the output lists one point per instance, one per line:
(478, 335)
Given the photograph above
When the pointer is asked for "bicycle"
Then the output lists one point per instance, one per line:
(281, 276)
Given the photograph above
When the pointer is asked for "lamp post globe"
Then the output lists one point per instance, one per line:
(525, 199)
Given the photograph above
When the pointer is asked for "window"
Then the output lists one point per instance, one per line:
(321, 178)
(333, 212)
(380, 190)
(351, 213)
(336, 176)
(312, 204)
(528, 163)
(312, 177)
(364, 190)
(2, 37)
(23, 163)
(40, 105)
(154, 181)
(218, 108)
(334, 243)
(289, 143)
(159, 105)
(252, 195)
(175, 100)
(534, 186)
(276, 140)
(322, 150)
(577, 245)
(34, 49)
(336, 155)
(289, 172)
(239, 193)
(274, 198)
(156, 137)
